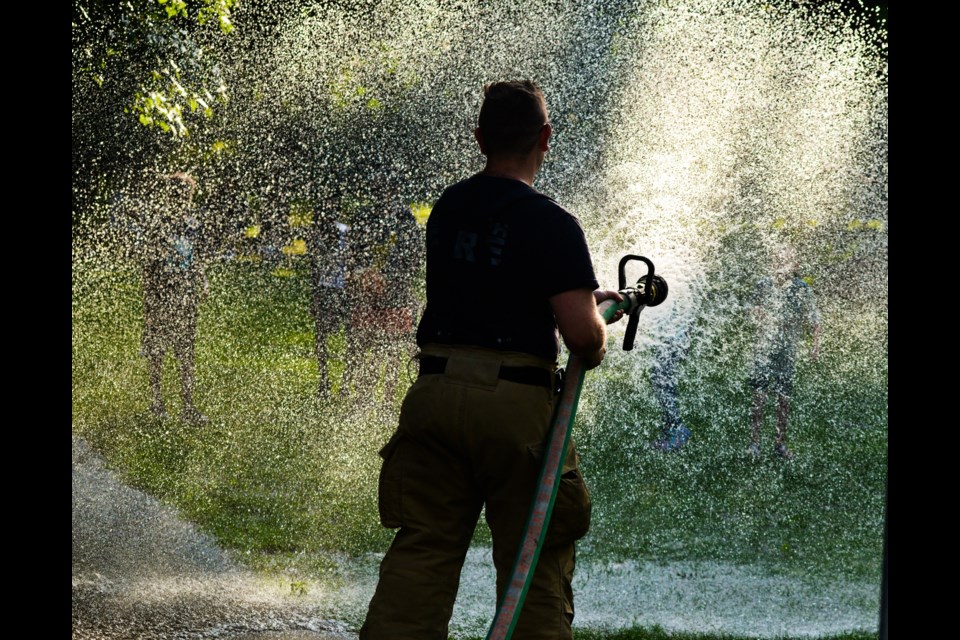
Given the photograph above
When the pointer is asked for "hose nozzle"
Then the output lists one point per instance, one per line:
(649, 291)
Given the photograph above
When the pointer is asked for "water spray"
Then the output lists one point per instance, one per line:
(649, 291)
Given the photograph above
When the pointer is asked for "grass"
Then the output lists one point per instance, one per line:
(265, 472)
(276, 472)
(659, 634)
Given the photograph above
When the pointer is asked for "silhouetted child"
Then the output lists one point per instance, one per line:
(664, 380)
(382, 321)
(173, 285)
(785, 309)
(329, 303)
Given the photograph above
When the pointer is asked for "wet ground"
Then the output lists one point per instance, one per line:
(229, 607)
(290, 635)
(103, 616)
(142, 573)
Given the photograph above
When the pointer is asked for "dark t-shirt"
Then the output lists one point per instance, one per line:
(497, 250)
(404, 257)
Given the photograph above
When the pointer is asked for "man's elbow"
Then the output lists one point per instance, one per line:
(583, 329)
(590, 347)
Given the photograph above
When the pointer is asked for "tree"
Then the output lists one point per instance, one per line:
(146, 74)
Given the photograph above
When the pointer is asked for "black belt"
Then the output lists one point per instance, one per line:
(523, 375)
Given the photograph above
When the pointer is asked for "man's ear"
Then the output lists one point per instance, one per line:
(543, 140)
(479, 137)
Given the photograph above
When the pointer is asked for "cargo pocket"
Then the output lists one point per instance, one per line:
(390, 484)
(570, 519)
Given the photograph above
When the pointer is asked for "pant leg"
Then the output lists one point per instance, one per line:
(427, 490)
(548, 608)
(511, 430)
(548, 611)
(464, 438)
(663, 381)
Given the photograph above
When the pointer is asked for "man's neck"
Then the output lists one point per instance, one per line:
(522, 169)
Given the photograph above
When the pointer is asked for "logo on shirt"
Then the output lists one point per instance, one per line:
(465, 246)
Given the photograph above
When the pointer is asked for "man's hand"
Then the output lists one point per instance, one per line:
(581, 324)
(601, 296)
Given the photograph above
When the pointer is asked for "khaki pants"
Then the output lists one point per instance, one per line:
(466, 440)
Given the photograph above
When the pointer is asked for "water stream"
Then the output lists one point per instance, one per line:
(708, 136)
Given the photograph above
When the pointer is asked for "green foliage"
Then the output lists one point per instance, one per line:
(174, 7)
(159, 52)
(298, 587)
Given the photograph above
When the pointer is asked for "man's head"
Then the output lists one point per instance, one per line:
(512, 119)
(178, 188)
(786, 264)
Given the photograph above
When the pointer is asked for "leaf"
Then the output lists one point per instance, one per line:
(297, 247)
(421, 212)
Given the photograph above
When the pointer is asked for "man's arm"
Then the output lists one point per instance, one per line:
(813, 319)
(580, 323)
(815, 349)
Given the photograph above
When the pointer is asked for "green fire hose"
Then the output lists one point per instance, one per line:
(650, 290)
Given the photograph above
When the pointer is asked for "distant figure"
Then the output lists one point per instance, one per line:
(382, 328)
(664, 380)
(226, 217)
(672, 332)
(173, 285)
(329, 304)
(785, 309)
